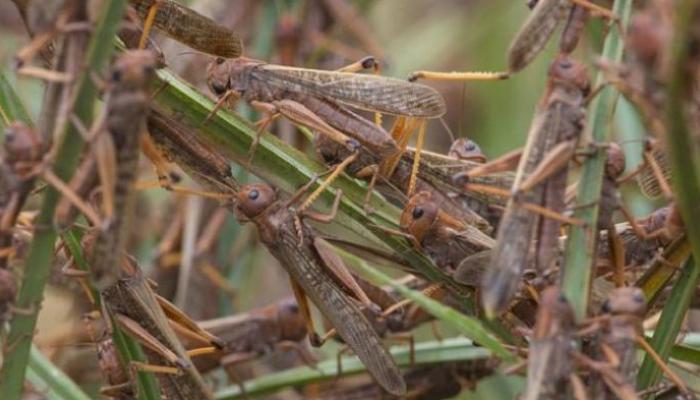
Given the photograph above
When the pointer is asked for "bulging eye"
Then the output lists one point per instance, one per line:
(469, 146)
(116, 75)
(638, 297)
(220, 60)
(218, 88)
(606, 306)
(418, 212)
(254, 194)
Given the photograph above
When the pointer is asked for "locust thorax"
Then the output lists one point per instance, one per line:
(23, 147)
(255, 198)
(230, 74)
(554, 313)
(625, 301)
(467, 150)
(134, 69)
(615, 163)
(419, 215)
(290, 320)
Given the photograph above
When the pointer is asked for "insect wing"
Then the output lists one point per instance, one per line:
(365, 92)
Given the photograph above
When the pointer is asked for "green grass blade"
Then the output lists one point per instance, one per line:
(457, 349)
(670, 323)
(130, 350)
(50, 380)
(465, 325)
(581, 246)
(38, 263)
(11, 106)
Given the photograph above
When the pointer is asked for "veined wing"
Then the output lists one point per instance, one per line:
(191, 28)
(366, 92)
(342, 311)
(535, 32)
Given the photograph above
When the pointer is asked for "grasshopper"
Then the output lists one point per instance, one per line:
(126, 110)
(260, 331)
(544, 19)
(550, 365)
(315, 271)
(137, 310)
(22, 152)
(189, 27)
(541, 180)
(619, 331)
(320, 99)
(446, 240)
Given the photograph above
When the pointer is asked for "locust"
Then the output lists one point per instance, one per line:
(118, 151)
(550, 364)
(316, 272)
(446, 240)
(618, 332)
(540, 180)
(320, 99)
(257, 332)
(138, 311)
(23, 150)
(544, 19)
(189, 27)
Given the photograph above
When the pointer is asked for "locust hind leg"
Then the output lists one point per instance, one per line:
(305, 311)
(458, 76)
(148, 23)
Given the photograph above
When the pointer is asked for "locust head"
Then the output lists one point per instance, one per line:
(466, 149)
(225, 75)
(291, 321)
(570, 75)
(419, 215)
(255, 198)
(134, 69)
(625, 301)
(23, 147)
(615, 164)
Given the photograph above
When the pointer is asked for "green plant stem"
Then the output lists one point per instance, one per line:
(38, 263)
(581, 246)
(11, 106)
(49, 379)
(425, 353)
(468, 326)
(669, 324)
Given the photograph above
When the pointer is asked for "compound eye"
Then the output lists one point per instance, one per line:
(116, 75)
(418, 212)
(218, 88)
